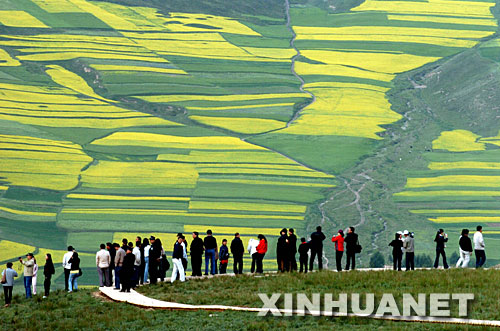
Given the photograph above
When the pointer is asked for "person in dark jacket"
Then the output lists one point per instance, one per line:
(440, 239)
(210, 244)
(112, 253)
(397, 251)
(127, 270)
(154, 259)
(316, 245)
(303, 256)
(237, 250)
(223, 257)
(465, 245)
(292, 250)
(48, 271)
(74, 272)
(282, 251)
(351, 243)
(196, 254)
(177, 254)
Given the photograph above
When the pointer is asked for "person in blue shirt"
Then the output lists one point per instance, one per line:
(223, 257)
(8, 286)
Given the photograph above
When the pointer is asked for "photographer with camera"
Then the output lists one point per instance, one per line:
(28, 273)
(441, 239)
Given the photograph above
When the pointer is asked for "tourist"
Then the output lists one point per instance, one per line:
(8, 283)
(177, 255)
(237, 250)
(127, 270)
(163, 263)
(339, 248)
(74, 272)
(351, 248)
(409, 248)
(48, 271)
(34, 278)
(282, 251)
(479, 247)
(154, 259)
(111, 272)
(143, 261)
(465, 248)
(292, 250)
(145, 246)
(28, 273)
(261, 252)
(120, 255)
(210, 244)
(316, 246)
(440, 239)
(124, 244)
(224, 257)
(196, 254)
(137, 263)
(303, 254)
(184, 252)
(397, 252)
(252, 250)
(67, 266)
(102, 260)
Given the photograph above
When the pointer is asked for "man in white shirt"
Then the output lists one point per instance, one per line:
(67, 266)
(103, 260)
(479, 247)
(137, 263)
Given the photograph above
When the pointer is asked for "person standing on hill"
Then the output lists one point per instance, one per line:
(479, 247)
(48, 271)
(177, 255)
(67, 266)
(223, 257)
(127, 270)
(111, 271)
(261, 252)
(252, 250)
(35, 276)
(282, 251)
(184, 254)
(143, 260)
(397, 251)
(196, 254)
(316, 245)
(351, 247)
(440, 239)
(74, 272)
(339, 248)
(465, 249)
(8, 283)
(137, 263)
(154, 260)
(303, 254)
(28, 273)
(237, 250)
(210, 244)
(125, 244)
(119, 257)
(102, 260)
(409, 248)
(292, 250)
(147, 247)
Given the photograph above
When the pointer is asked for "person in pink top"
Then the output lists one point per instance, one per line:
(339, 248)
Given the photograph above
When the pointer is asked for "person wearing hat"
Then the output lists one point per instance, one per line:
(409, 248)
(154, 259)
(28, 273)
(339, 248)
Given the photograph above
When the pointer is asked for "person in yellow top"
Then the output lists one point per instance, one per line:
(28, 273)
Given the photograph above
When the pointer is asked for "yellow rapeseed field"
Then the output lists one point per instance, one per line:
(263, 182)
(123, 197)
(448, 193)
(10, 250)
(19, 19)
(169, 141)
(441, 19)
(283, 104)
(247, 206)
(458, 141)
(112, 67)
(57, 6)
(466, 219)
(228, 157)
(222, 98)
(464, 165)
(454, 180)
(26, 212)
(455, 211)
(240, 124)
(61, 56)
(305, 69)
(6, 60)
(229, 230)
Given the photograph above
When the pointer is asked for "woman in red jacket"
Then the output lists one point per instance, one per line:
(261, 251)
(339, 248)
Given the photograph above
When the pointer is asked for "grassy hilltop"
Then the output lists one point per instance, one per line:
(128, 117)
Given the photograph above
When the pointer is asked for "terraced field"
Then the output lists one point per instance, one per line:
(121, 120)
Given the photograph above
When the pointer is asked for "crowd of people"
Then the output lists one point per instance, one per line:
(131, 264)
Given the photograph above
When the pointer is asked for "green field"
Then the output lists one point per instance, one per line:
(125, 118)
